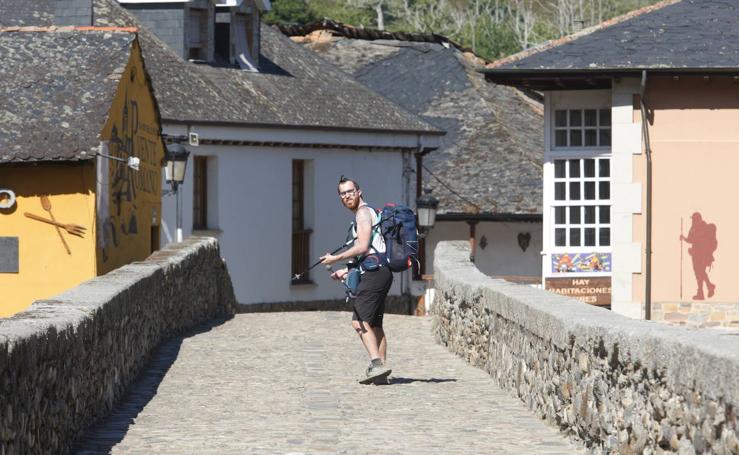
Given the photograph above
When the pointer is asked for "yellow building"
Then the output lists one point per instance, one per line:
(70, 96)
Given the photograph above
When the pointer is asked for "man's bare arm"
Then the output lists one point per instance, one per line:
(361, 245)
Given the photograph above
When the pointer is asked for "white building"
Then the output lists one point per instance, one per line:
(274, 137)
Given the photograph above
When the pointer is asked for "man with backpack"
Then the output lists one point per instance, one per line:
(367, 257)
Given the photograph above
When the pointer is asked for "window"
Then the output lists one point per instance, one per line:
(245, 42)
(582, 128)
(222, 36)
(301, 235)
(200, 193)
(582, 206)
(197, 34)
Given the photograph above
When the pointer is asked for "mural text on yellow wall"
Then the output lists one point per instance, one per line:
(134, 195)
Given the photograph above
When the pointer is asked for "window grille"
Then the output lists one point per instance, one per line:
(300, 235)
(582, 202)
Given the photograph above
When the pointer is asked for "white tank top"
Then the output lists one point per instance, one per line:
(377, 242)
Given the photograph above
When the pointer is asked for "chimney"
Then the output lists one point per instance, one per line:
(73, 12)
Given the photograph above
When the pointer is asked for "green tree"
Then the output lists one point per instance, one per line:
(290, 12)
(491, 28)
(348, 12)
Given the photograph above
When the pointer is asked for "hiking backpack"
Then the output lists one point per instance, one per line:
(398, 228)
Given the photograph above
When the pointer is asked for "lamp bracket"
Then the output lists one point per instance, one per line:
(132, 161)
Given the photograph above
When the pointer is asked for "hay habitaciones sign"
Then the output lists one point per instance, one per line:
(592, 290)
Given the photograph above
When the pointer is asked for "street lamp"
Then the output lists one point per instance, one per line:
(174, 174)
(426, 206)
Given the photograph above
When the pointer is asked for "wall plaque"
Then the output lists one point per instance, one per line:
(592, 290)
(581, 262)
(7, 198)
(8, 254)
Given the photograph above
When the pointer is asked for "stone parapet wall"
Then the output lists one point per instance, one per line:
(65, 361)
(616, 384)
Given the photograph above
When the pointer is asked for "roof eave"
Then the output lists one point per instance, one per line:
(586, 78)
(175, 121)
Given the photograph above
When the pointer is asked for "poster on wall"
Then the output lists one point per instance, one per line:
(592, 290)
(581, 263)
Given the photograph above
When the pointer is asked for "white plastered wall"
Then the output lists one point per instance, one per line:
(502, 256)
(254, 206)
(626, 197)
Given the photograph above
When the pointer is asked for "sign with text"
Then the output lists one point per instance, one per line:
(595, 291)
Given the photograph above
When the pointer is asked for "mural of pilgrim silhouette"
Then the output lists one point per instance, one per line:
(702, 238)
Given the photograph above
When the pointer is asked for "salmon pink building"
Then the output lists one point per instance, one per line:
(641, 161)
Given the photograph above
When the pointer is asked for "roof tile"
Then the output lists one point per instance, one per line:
(56, 89)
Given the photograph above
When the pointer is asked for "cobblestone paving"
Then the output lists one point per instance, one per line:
(286, 383)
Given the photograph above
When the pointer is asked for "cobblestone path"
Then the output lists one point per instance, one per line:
(286, 383)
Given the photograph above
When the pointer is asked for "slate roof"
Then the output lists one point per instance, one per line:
(26, 13)
(670, 36)
(294, 88)
(492, 153)
(56, 88)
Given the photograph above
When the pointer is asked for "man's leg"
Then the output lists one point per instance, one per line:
(368, 313)
(381, 342)
(368, 337)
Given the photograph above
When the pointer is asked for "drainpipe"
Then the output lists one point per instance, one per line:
(406, 278)
(419, 191)
(648, 151)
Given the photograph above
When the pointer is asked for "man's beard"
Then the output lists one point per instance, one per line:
(351, 204)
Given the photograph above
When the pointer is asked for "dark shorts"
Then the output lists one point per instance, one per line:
(369, 305)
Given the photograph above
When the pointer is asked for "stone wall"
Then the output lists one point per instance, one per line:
(697, 313)
(618, 385)
(65, 361)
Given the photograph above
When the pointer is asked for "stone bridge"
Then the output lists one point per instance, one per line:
(150, 358)
(286, 383)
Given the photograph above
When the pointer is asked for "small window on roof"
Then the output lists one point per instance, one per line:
(197, 34)
(246, 36)
(223, 36)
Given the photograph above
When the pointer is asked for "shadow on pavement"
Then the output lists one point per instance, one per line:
(395, 380)
(101, 437)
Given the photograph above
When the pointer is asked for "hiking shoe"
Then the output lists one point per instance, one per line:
(375, 372)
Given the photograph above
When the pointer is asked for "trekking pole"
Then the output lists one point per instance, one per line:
(348, 242)
(298, 275)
